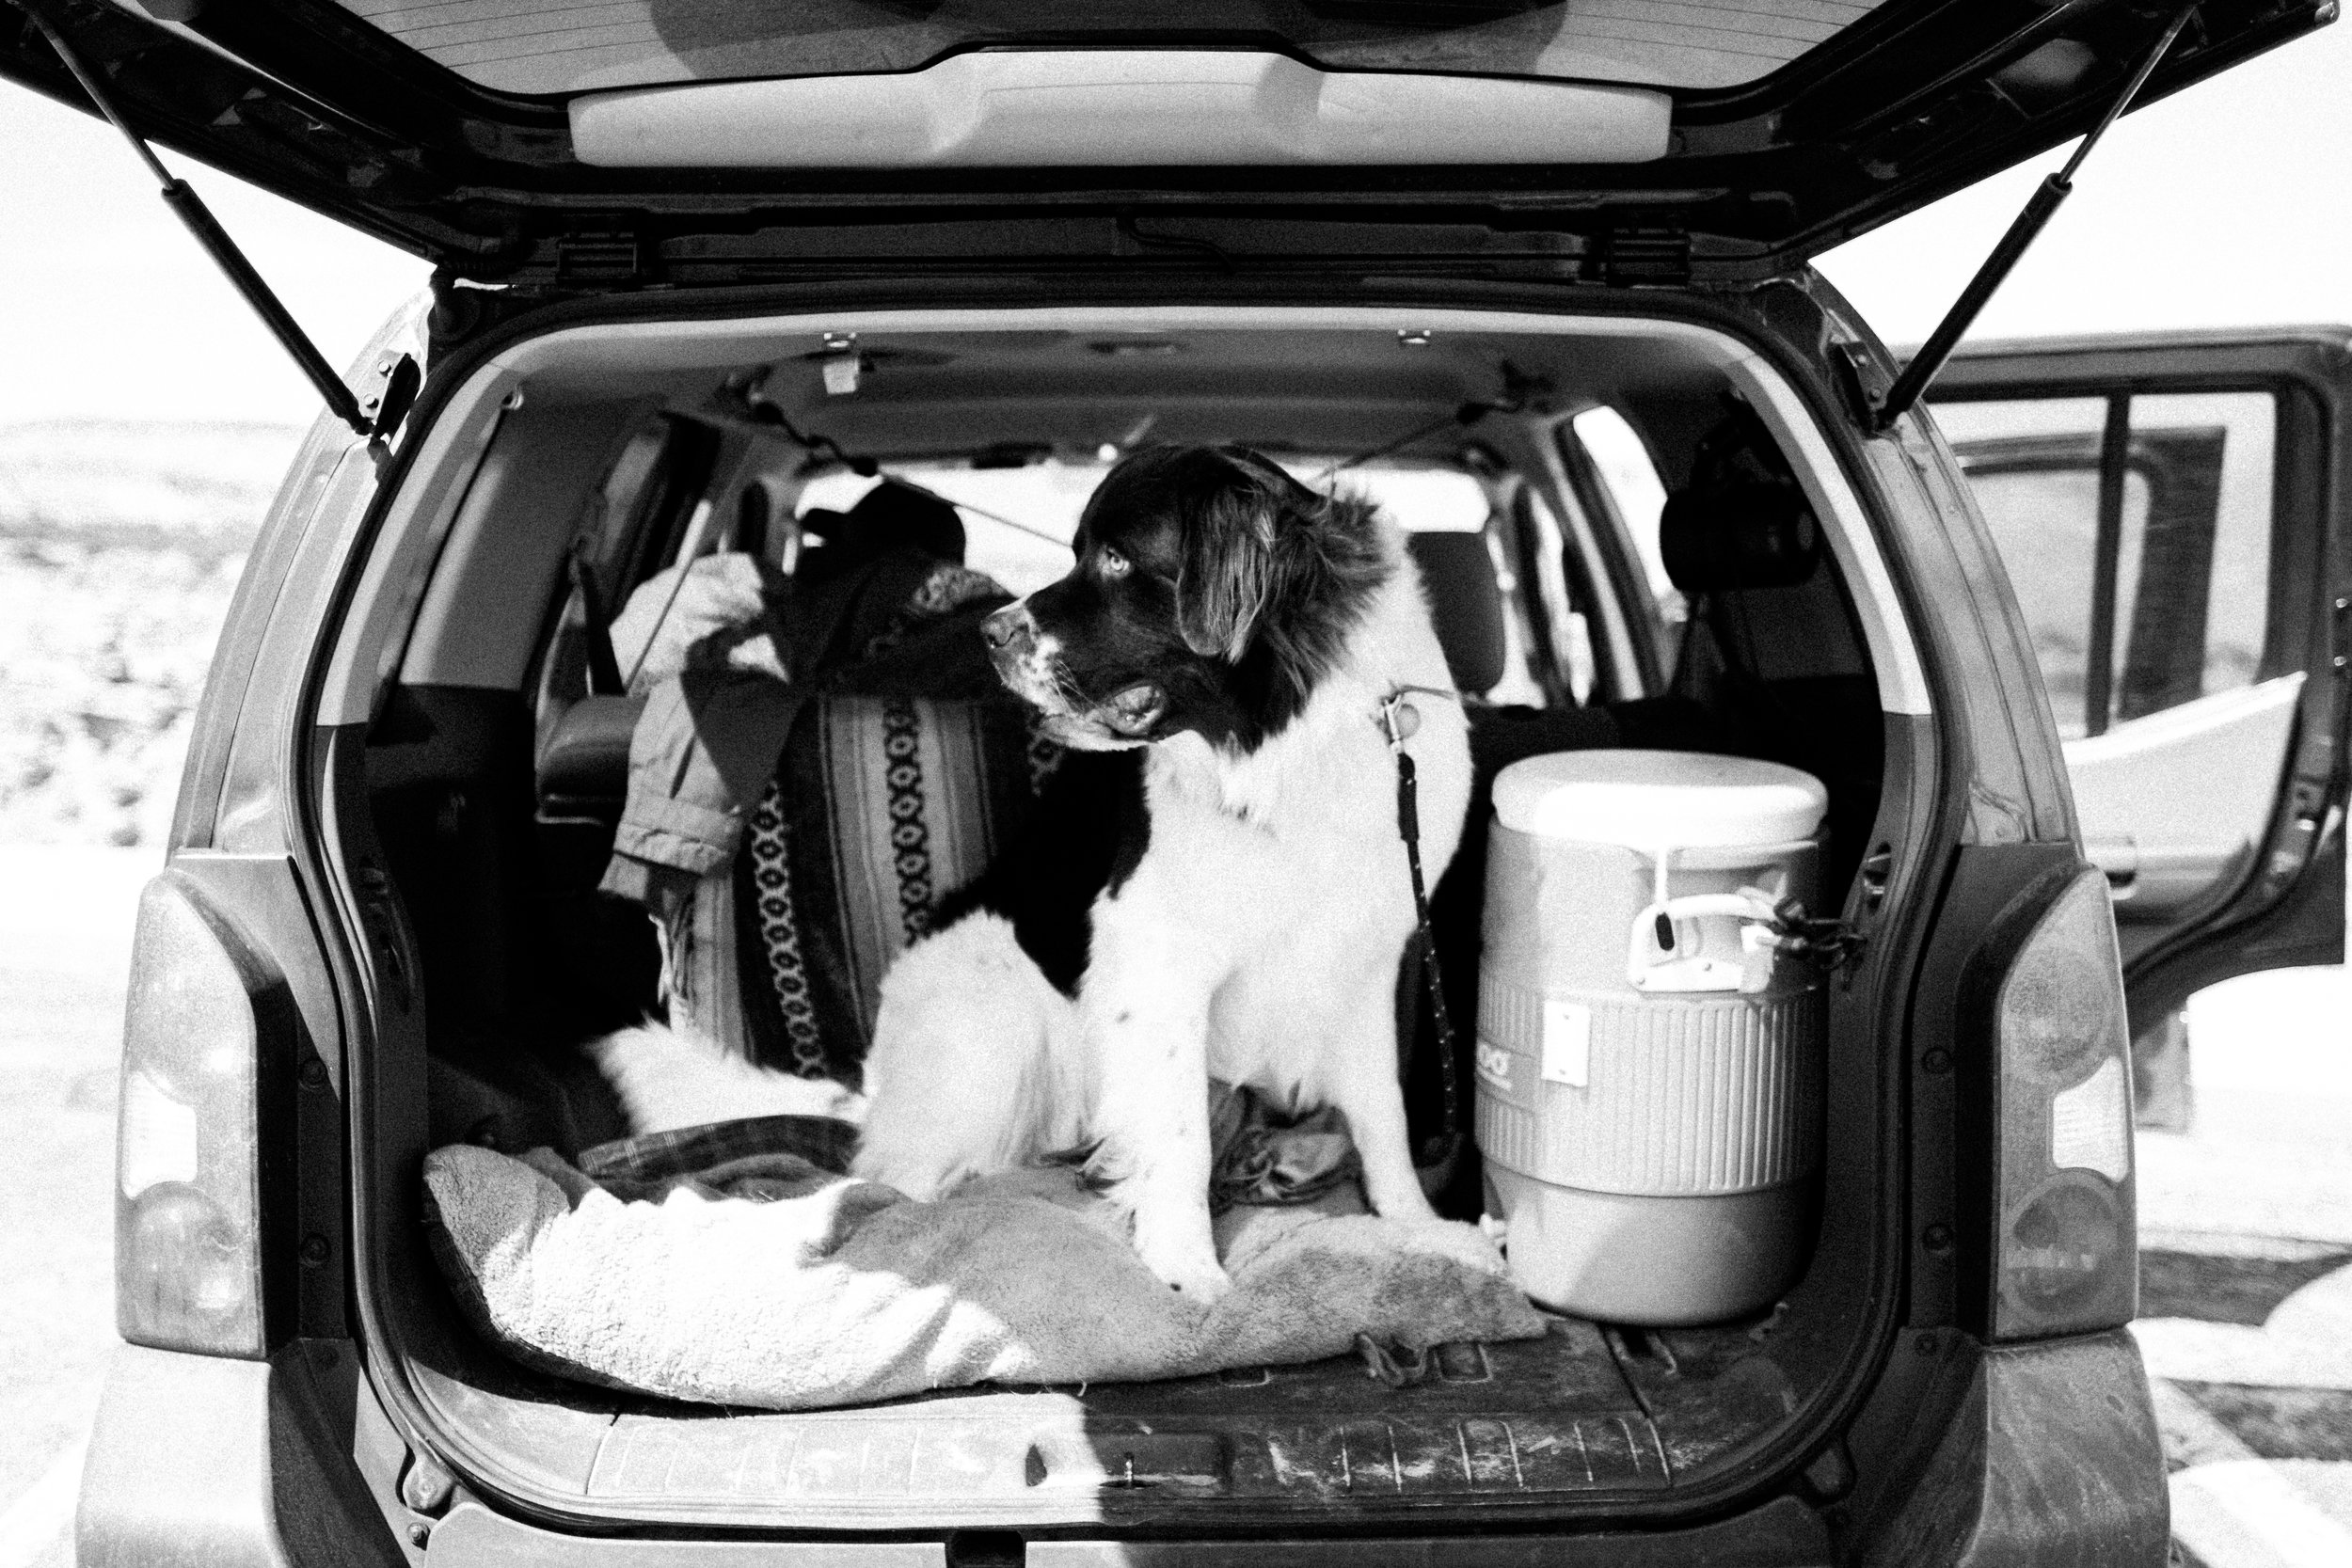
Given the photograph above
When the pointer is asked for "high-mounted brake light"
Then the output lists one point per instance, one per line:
(2065, 1246)
(187, 1199)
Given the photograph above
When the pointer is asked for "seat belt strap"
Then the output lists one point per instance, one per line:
(604, 670)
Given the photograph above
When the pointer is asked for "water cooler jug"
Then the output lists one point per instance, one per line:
(1649, 1057)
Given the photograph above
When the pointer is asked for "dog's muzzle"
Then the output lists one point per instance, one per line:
(1028, 661)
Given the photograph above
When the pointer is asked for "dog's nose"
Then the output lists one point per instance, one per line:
(1009, 625)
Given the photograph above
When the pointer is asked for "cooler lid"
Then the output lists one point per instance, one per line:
(1659, 799)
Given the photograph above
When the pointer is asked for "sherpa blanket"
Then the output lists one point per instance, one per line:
(766, 1280)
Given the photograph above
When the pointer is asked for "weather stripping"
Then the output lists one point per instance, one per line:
(1124, 108)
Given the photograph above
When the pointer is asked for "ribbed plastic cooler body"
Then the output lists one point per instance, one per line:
(1652, 1146)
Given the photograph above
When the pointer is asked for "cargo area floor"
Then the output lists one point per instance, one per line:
(1581, 1411)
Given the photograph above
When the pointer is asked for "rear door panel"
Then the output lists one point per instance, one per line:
(2171, 513)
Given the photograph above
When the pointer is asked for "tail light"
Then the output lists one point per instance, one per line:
(187, 1200)
(2065, 1249)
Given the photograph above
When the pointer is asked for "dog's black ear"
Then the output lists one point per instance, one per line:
(1229, 566)
(1226, 574)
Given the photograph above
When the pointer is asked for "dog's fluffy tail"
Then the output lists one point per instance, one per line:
(667, 1079)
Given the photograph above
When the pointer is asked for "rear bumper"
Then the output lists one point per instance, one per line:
(203, 1460)
(2049, 1454)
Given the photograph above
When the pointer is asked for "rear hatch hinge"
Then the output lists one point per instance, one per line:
(1655, 257)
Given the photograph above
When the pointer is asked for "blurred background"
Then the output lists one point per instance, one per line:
(145, 421)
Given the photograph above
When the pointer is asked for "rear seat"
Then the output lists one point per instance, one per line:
(1458, 577)
(883, 803)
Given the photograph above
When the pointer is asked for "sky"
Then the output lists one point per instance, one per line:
(2228, 204)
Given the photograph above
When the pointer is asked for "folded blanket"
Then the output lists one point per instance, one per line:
(762, 1279)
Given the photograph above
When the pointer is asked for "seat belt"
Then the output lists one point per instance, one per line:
(604, 670)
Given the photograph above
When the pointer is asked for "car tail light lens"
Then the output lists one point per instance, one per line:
(187, 1205)
(2065, 1255)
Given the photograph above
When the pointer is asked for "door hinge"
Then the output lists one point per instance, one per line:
(1644, 256)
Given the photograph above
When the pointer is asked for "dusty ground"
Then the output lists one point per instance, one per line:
(65, 942)
(119, 546)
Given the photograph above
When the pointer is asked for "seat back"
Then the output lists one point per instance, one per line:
(879, 807)
(1465, 603)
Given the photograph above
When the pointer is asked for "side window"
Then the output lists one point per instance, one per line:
(2136, 527)
(1624, 468)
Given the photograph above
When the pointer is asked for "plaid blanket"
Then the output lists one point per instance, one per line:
(1263, 1157)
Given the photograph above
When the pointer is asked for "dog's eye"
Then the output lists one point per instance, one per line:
(1113, 563)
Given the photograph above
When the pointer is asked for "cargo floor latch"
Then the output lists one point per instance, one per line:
(199, 222)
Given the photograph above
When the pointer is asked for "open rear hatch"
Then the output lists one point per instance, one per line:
(642, 143)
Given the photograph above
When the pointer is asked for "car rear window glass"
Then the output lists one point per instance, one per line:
(2190, 559)
(1017, 521)
(1624, 467)
(561, 46)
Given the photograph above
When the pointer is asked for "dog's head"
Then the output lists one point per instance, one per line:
(1211, 593)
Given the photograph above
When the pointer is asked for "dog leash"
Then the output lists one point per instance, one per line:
(1399, 719)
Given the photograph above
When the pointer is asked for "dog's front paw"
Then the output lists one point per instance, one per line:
(1187, 1262)
(1195, 1277)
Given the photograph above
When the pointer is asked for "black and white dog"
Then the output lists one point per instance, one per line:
(1226, 898)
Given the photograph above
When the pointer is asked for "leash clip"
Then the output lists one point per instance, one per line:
(1399, 718)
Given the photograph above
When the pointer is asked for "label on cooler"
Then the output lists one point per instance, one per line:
(1494, 1066)
(1568, 1043)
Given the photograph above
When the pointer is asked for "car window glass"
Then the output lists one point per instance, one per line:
(548, 46)
(2237, 591)
(620, 505)
(2166, 601)
(1571, 631)
(1636, 491)
(1017, 522)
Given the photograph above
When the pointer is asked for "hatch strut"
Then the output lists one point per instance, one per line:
(2053, 190)
(223, 250)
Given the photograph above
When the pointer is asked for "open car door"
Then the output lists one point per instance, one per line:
(2172, 510)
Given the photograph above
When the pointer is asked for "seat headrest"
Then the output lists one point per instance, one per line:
(1467, 604)
(889, 517)
(1746, 534)
(1743, 521)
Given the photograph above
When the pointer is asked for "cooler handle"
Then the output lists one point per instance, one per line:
(1655, 964)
